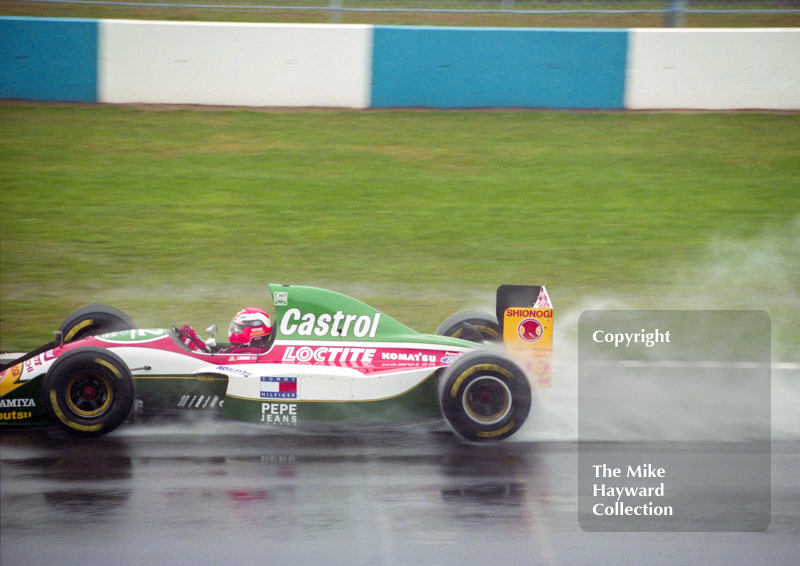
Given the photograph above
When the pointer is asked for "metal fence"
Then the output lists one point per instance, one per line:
(570, 13)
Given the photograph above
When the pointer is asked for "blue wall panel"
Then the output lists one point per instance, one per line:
(481, 67)
(48, 59)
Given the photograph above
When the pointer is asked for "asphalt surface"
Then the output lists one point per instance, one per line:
(205, 493)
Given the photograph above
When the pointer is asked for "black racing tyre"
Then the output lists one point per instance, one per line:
(483, 322)
(94, 320)
(88, 391)
(485, 396)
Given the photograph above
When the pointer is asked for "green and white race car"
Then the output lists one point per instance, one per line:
(328, 359)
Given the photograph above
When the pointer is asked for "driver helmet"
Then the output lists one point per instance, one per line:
(249, 324)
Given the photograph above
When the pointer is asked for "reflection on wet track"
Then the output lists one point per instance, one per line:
(232, 494)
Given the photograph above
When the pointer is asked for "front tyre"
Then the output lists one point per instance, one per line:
(485, 397)
(88, 391)
(93, 321)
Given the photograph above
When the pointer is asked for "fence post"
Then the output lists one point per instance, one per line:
(675, 15)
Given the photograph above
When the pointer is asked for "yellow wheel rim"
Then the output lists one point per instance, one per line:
(89, 394)
(487, 400)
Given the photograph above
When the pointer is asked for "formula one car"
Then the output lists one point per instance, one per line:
(328, 359)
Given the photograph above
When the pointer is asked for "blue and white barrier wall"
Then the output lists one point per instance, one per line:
(457, 67)
(234, 64)
(364, 66)
(719, 69)
(44, 59)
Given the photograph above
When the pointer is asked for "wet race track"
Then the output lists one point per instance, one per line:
(224, 493)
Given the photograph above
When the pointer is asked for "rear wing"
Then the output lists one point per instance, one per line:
(525, 315)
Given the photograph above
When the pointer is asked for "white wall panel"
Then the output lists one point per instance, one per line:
(234, 64)
(713, 69)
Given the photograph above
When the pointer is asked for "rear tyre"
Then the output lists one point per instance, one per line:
(484, 323)
(94, 320)
(484, 396)
(88, 391)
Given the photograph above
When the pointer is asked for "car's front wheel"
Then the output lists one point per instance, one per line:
(88, 391)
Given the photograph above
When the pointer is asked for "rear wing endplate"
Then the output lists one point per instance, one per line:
(525, 314)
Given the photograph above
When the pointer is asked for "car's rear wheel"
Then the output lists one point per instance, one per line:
(88, 391)
(485, 396)
(94, 320)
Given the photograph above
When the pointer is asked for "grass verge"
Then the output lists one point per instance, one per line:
(184, 215)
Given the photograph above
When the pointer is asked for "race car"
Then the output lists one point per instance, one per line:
(328, 358)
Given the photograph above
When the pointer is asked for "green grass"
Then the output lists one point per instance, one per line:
(184, 216)
(607, 13)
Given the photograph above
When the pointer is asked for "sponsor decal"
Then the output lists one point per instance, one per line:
(15, 372)
(15, 415)
(136, 335)
(530, 330)
(33, 363)
(10, 379)
(279, 413)
(328, 355)
(413, 358)
(528, 335)
(237, 371)
(16, 403)
(278, 387)
(417, 357)
(338, 324)
(532, 312)
(281, 298)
